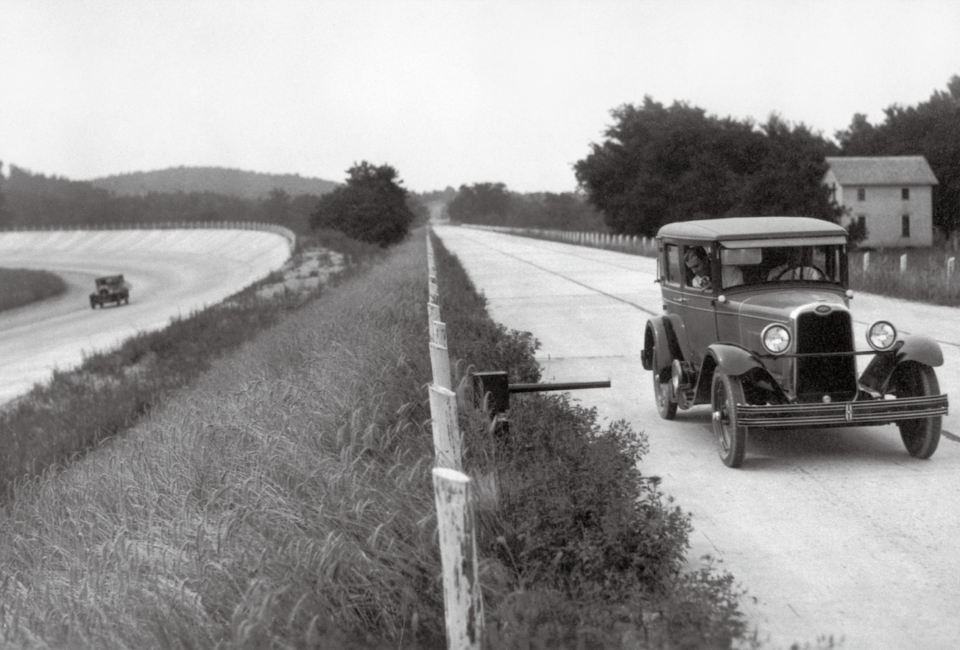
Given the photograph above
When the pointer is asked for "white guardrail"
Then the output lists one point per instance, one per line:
(462, 600)
(286, 233)
(648, 246)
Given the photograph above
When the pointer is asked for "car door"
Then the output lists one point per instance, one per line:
(697, 307)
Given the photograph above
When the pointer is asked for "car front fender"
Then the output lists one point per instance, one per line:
(662, 333)
(916, 347)
(732, 359)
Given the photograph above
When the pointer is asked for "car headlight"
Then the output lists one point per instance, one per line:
(881, 335)
(775, 338)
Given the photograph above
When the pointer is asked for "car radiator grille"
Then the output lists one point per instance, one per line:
(818, 376)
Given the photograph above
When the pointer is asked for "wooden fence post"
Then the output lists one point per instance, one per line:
(866, 261)
(903, 263)
(462, 598)
(439, 355)
(446, 428)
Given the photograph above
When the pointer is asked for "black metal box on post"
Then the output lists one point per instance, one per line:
(495, 384)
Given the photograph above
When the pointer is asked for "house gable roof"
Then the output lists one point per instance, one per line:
(882, 170)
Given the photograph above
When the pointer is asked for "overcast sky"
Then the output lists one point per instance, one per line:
(448, 92)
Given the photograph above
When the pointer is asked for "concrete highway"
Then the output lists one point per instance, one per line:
(831, 532)
(173, 273)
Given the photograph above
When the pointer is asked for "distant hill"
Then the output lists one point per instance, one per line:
(229, 182)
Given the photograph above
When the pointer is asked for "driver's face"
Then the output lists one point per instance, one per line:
(697, 266)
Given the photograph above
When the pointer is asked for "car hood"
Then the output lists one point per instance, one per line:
(778, 305)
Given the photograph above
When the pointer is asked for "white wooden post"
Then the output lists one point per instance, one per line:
(950, 265)
(903, 263)
(439, 355)
(433, 312)
(446, 429)
(866, 261)
(462, 598)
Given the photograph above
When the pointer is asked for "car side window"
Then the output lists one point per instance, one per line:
(671, 271)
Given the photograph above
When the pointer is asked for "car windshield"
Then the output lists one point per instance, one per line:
(781, 264)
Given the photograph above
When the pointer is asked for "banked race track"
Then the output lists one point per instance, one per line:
(173, 272)
(833, 532)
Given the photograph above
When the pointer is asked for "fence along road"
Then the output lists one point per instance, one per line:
(173, 272)
(832, 532)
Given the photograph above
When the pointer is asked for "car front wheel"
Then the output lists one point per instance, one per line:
(726, 394)
(666, 405)
(920, 436)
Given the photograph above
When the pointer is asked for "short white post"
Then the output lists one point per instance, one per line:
(866, 261)
(446, 428)
(950, 265)
(462, 598)
(439, 355)
(903, 263)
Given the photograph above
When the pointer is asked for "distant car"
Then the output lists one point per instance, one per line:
(770, 345)
(110, 288)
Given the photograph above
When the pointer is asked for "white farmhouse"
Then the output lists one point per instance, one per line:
(891, 195)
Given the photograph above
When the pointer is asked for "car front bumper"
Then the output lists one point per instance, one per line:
(838, 414)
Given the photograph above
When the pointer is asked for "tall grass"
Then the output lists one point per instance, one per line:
(925, 278)
(284, 497)
(19, 287)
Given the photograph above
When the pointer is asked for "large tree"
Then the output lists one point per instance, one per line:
(664, 164)
(788, 180)
(371, 206)
(931, 129)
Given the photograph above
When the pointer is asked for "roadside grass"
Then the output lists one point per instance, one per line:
(282, 497)
(924, 280)
(19, 287)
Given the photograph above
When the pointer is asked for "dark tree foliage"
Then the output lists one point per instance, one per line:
(930, 129)
(789, 177)
(370, 207)
(664, 164)
(481, 203)
(494, 205)
(5, 216)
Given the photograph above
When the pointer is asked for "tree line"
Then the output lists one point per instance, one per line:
(372, 206)
(659, 164)
(493, 204)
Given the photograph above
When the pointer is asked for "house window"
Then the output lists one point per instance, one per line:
(905, 194)
(905, 225)
(861, 194)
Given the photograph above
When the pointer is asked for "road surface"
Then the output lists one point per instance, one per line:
(831, 532)
(173, 273)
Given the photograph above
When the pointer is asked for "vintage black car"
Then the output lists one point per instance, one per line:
(110, 288)
(757, 324)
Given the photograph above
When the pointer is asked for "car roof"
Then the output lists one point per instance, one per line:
(747, 228)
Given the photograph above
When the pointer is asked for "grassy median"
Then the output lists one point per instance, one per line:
(282, 499)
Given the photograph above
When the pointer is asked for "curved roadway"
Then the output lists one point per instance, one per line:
(831, 532)
(172, 273)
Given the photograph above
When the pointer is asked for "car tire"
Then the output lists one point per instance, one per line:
(666, 405)
(920, 436)
(726, 393)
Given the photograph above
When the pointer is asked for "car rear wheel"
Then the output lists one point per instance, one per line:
(666, 405)
(920, 436)
(726, 394)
